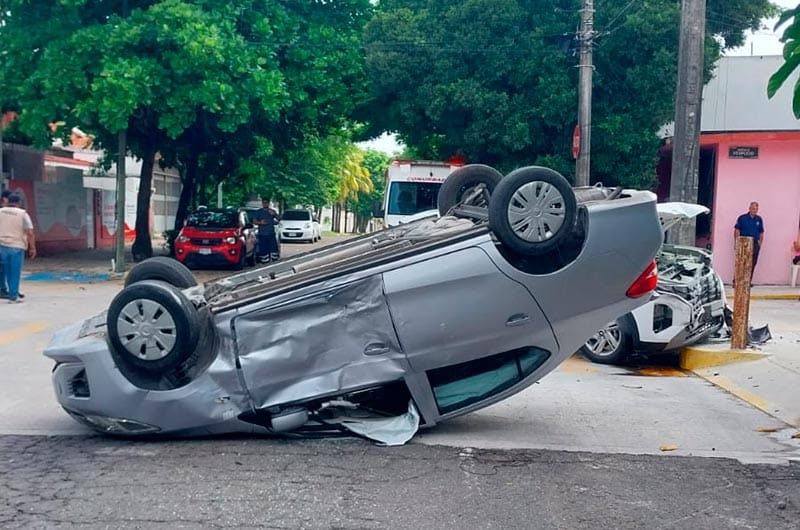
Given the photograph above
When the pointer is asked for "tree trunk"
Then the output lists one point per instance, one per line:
(335, 218)
(187, 192)
(143, 244)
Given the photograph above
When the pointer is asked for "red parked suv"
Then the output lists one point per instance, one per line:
(214, 237)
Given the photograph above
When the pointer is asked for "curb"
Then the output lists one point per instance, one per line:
(768, 296)
(696, 358)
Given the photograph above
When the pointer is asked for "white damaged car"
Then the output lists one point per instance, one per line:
(686, 308)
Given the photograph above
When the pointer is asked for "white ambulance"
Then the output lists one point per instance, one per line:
(412, 188)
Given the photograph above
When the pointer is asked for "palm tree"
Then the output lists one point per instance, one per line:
(354, 179)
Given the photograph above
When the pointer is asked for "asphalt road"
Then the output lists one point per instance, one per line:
(93, 482)
(587, 446)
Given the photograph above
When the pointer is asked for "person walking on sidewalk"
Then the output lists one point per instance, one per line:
(16, 236)
(3, 287)
(751, 225)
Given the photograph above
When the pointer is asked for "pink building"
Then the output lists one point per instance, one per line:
(750, 151)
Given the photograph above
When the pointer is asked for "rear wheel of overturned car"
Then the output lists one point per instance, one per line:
(164, 269)
(152, 326)
(533, 210)
(471, 185)
(609, 345)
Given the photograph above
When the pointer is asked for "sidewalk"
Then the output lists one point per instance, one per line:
(767, 376)
(83, 266)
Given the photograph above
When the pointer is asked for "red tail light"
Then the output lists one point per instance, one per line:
(645, 283)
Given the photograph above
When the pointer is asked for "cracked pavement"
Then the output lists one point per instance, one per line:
(235, 482)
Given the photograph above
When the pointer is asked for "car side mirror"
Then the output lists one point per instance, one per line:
(377, 208)
(249, 226)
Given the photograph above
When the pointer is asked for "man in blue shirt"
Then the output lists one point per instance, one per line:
(751, 225)
(266, 219)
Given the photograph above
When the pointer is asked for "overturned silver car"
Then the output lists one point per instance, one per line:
(687, 307)
(384, 333)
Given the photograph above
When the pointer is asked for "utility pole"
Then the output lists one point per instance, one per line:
(586, 37)
(122, 148)
(119, 240)
(688, 99)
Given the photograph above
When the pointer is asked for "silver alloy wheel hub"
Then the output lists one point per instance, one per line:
(146, 329)
(606, 341)
(536, 211)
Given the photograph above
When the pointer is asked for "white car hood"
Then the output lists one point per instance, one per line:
(295, 224)
(669, 213)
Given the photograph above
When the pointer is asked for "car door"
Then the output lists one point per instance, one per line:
(319, 343)
(458, 307)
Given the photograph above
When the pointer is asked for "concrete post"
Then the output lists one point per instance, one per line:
(741, 293)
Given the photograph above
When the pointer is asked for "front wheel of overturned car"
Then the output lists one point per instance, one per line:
(164, 269)
(608, 346)
(152, 326)
(533, 210)
(471, 185)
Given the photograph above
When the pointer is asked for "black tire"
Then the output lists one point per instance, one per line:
(610, 345)
(239, 265)
(533, 210)
(465, 179)
(164, 269)
(137, 342)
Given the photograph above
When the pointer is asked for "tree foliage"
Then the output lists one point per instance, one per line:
(791, 56)
(494, 79)
(221, 89)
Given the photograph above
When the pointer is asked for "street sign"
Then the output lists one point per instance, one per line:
(576, 142)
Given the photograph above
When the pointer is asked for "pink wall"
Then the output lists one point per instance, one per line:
(772, 180)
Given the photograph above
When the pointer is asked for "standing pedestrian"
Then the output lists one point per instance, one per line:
(751, 225)
(16, 236)
(266, 219)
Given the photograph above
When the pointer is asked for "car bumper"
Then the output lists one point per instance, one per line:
(208, 257)
(299, 235)
(92, 390)
(671, 323)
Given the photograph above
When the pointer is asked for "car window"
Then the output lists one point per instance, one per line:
(296, 215)
(455, 387)
(212, 219)
(408, 198)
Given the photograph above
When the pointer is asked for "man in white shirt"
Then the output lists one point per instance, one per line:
(16, 236)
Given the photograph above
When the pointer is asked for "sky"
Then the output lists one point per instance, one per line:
(763, 42)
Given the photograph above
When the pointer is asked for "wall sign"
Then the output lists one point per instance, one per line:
(743, 152)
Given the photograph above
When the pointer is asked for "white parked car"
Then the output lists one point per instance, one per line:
(299, 225)
(687, 307)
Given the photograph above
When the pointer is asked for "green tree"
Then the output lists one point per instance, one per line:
(791, 56)
(219, 89)
(491, 79)
(376, 163)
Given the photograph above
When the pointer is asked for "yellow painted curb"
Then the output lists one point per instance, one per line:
(748, 397)
(694, 358)
(768, 296)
